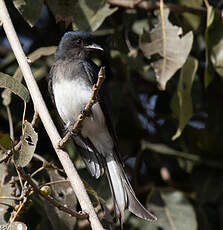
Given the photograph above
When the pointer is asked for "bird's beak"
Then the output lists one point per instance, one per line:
(94, 46)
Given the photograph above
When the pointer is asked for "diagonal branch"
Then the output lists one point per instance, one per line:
(43, 112)
(49, 198)
(87, 110)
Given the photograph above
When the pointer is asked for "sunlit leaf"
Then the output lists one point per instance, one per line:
(140, 25)
(6, 142)
(5, 191)
(213, 36)
(8, 59)
(35, 55)
(174, 211)
(64, 193)
(29, 9)
(192, 19)
(167, 41)
(184, 101)
(217, 57)
(91, 14)
(15, 86)
(28, 146)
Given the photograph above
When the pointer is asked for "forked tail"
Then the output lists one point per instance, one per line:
(123, 194)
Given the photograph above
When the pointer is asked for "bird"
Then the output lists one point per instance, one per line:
(71, 79)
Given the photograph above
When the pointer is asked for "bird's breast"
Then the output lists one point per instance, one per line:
(71, 96)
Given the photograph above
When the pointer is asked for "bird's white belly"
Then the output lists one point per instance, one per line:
(71, 98)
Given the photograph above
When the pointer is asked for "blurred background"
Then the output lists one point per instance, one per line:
(169, 121)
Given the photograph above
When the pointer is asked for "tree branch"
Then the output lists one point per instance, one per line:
(87, 110)
(49, 198)
(43, 112)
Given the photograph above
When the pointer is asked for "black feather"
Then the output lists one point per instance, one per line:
(73, 62)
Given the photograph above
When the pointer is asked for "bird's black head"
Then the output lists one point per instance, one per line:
(76, 44)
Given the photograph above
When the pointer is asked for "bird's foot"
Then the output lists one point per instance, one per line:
(86, 113)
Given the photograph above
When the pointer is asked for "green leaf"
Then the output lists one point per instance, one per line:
(15, 86)
(91, 14)
(140, 25)
(64, 193)
(217, 57)
(8, 60)
(6, 142)
(5, 191)
(29, 141)
(35, 55)
(192, 19)
(29, 9)
(173, 210)
(166, 41)
(213, 36)
(63, 10)
(184, 101)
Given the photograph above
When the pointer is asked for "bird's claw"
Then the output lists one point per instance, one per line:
(86, 113)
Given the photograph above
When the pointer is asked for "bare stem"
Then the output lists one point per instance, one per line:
(11, 129)
(51, 199)
(57, 182)
(35, 118)
(43, 112)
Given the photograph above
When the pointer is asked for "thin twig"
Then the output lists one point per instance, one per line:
(87, 110)
(9, 153)
(133, 52)
(43, 112)
(26, 192)
(49, 198)
(207, 3)
(35, 118)
(10, 198)
(8, 205)
(57, 182)
(37, 171)
(23, 118)
(11, 129)
(3, 148)
(40, 158)
(21, 207)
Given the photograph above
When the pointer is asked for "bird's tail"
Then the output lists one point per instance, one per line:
(123, 194)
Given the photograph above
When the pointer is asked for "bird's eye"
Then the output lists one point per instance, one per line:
(78, 41)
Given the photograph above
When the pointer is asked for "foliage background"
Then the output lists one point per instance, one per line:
(170, 139)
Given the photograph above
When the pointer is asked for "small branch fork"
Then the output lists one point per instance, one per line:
(87, 110)
(50, 199)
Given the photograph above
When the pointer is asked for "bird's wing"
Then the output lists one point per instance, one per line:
(92, 71)
(92, 159)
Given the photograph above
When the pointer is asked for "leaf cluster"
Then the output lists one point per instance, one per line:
(164, 74)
